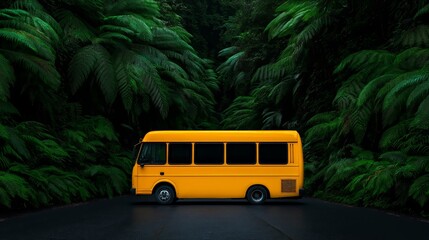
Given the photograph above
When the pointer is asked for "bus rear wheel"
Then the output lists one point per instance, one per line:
(256, 195)
(165, 195)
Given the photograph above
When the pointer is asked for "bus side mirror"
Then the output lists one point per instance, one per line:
(143, 161)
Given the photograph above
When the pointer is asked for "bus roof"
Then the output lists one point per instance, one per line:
(222, 136)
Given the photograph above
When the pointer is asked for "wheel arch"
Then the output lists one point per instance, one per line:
(164, 182)
(259, 185)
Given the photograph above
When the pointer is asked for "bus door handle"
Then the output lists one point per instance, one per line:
(161, 173)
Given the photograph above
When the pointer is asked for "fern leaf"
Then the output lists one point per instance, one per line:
(419, 190)
(415, 37)
(422, 11)
(323, 130)
(396, 156)
(44, 70)
(135, 23)
(347, 94)
(164, 38)
(147, 8)
(321, 118)
(308, 33)
(74, 27)
(15, 186)
(104, 128)
(412, 58)
(393, 134)
(359, 122)
(28, 41)
(413, 79)
(381, 180)
(417, 95)
(93, 58)
(158, 92)
(271, 119)
(422, 115)
(365, 58)
(291, 15)
(370, 90)
(7, 78)
(125, 89)
(229, 51)
(281, 91)
(339, 172)
(18, 144)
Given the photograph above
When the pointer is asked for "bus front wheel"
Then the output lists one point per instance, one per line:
(165, 195)
(256, 195)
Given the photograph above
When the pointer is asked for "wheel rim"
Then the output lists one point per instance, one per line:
(164, 195)
(257, 196)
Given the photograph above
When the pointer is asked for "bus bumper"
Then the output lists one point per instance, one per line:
(133, 191)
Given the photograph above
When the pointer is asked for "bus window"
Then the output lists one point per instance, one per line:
(241, 153)
(180, 153)
(273, 153)
(208, 153)
(152, 154)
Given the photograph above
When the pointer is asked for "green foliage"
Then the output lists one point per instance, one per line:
(291, 15)
(7, 78)
(419, 191)
(43, 168)
(93, 59)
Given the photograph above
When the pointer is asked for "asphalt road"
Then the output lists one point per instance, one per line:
(130, 218)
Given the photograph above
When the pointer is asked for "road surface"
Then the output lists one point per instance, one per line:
(130, 217)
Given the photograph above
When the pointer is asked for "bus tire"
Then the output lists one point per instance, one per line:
(165, 195)
(256, 195)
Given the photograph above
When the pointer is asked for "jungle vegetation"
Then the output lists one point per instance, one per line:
(81, 81)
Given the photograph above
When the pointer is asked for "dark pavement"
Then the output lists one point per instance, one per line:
(130, 218)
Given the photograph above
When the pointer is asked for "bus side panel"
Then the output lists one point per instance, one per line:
(218, 181)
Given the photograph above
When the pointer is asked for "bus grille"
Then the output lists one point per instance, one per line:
(289, 185)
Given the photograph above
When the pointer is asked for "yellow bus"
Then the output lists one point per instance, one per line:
(255, 165)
